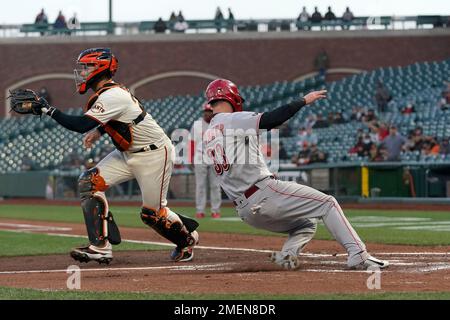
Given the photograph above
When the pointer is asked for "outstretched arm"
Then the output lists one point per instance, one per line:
(79, 124)
(277, 117)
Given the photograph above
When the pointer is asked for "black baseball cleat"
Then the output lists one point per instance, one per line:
(187, 253)
(93, 253)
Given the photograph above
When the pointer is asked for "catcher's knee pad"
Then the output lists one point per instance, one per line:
(90, 182)
(169, 225)
(99, 221)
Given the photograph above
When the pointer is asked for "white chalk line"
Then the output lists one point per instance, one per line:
(197, 267)
(217, 266)
(32, 227)
(312, 255)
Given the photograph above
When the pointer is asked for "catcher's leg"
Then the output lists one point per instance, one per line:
(176, 228)
(100, 225)
(153, 173)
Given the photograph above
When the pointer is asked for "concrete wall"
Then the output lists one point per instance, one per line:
(247, 59)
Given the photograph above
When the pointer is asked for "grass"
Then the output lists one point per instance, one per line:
(30, 244)
(7, 293)
(129, 217)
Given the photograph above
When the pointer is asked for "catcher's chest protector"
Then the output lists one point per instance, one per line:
(120, 132)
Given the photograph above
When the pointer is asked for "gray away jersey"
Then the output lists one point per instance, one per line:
(231, 142)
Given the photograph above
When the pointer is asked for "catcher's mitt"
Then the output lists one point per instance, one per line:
(26, 101)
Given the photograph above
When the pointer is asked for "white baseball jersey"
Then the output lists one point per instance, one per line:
(118, 104)
(231, 141)
(197, 131)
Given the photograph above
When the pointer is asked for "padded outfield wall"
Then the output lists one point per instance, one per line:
(162, 65)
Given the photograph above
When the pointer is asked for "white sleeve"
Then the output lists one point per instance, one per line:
(246, 121)
(107, 107)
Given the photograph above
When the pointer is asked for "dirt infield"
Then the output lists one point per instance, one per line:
(226, 203)
(224, 263)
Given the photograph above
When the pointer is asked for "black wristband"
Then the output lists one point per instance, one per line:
(101, 130)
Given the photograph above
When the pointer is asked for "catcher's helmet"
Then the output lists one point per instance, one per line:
(222, 89)
(102, 59)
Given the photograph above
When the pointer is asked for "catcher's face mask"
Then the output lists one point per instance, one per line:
(82, 74)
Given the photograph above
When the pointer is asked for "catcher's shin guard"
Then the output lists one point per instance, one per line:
(169, 225)
(99, 220)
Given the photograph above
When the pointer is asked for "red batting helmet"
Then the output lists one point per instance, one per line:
(102, 59)
(222, 89)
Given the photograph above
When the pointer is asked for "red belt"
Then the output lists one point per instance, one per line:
(250, 191)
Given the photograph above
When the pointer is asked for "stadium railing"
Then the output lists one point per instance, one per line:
(84, 27)
(246, 25)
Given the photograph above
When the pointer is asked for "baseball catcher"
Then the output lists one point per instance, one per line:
(143, 152)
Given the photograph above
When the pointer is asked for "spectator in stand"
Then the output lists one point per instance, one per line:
(322, 63)
(370, 117)
(357, 114)
(444, 101)
(231, 20)
(409, 144)
(218, 19)
(417, 139)
(338, 118)
(303, 156)
(160, 26)
(373, 133)
(383, 131)
(359, 133)
(394, 144)
(358, 147)
(302, 19)
(347, 18)
(382, 96)
(377, 153)
(409, 108)
(445, 146)
(330, 15)
(302, 137)
(316, 17)
(311, 137)
(42, 21)
(310, 121)
(320, 122)
(378, 131)
(316, 155)
(366, 145)
(430, 146)
(172, 20)
(181, 25)
(60, 22)
(73, 23)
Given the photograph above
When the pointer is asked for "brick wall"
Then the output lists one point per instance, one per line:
(245, 60)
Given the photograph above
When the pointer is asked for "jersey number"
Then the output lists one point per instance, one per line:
(217, 154)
